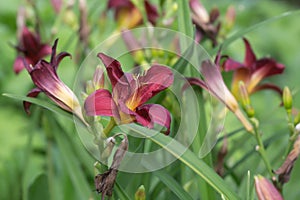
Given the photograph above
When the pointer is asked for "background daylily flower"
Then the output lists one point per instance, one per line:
(252, 71)
(128, 15)
(31, 49)
(130, 92)
(206, 24)
(214, 83)
(44, 76)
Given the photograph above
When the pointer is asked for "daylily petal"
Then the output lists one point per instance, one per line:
(266, 67)
(118, 3)
(268, 86)
(114, 70)
(199, 12)
(156, 79)
(241, 74)
(18, 64)
(195, 81)
(151, 114)
(118, 79)
(55, 59)
(231, 64)
(57, 5)
(250, 57)
(151, 12)
(33, 93)
(29, 40)
(216, 85)
(100, 103)
(274, 67)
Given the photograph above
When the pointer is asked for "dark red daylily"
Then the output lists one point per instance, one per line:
(252, 71)
(44, 76)
(31, 49)
(214, 83)
(127, 101)
(127, 14)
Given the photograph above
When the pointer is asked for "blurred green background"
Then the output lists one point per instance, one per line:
(279, 39)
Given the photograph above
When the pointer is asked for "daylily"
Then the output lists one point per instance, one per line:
(206, 24)
(44, 76)
(31, 49)
(265, 190)
(128, 15)
(252, 71)
(126, 102)
(214, 83)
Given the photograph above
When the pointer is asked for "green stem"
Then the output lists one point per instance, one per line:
(109, 127)
(262, 151)
(207, 191)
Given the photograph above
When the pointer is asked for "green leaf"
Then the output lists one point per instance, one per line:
(243, 32)
(41, 103)
(185, 25)
(172, 184)
(71, 162)
(39, 188)
(188, 158)
(121, 192)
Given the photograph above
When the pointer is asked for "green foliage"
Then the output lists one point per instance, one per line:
(42, 157)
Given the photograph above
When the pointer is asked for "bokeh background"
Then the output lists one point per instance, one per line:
(19, 169)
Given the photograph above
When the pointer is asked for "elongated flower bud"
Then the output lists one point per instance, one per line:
(245, 100)
(287, 99)
(265, 189)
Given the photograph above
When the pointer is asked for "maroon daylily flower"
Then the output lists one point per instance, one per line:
(31, 49)
(252, 71)
(127, 101)
(44, 76)
(127, 14)
(214, 83)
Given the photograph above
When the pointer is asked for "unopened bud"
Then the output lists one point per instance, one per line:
(287, 99)
(70, 18)
(98, 79)
(89, 88)
(265, 189)
(245, 100)
(110, 143)
(140, 193)
(297, 119)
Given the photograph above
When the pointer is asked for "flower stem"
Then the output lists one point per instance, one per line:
(109, 127)
(261, 149)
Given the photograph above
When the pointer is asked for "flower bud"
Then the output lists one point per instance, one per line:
(89, 88)
(265, 189)
(287, 99)
(245, 100)
(110, 143)
(98, 79)
(140, 193)
(297, 119)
